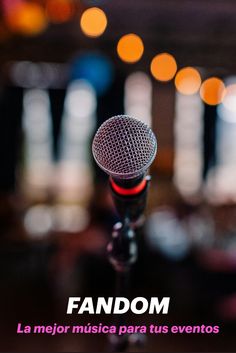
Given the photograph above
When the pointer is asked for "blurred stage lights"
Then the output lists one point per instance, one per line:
(188, 81)
(93, 22)
(95, 68)
(212, 91)
(130, 48)
(27, 18)
(163, 67)
(229, 101)
(40, 219)
(29, 74)
(59, 11)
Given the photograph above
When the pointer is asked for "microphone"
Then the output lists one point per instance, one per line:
(125, 147)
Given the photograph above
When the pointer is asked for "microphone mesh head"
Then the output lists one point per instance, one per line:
(124, 147)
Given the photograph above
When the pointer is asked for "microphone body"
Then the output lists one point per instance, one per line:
(130, 202)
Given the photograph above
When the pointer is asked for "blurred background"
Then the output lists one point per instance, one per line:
(65, 67)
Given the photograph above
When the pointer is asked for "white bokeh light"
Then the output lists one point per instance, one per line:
(38, 139)
(138, 97)
(188, 144)
(74, 169)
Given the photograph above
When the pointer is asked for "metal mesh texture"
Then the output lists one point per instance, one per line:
(124, 147)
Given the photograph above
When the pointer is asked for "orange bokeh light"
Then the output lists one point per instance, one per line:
(27, 18)
(59, 11)
(188, 80)
(130, 48)
(163, 67)
(93, 22)
(212, 91)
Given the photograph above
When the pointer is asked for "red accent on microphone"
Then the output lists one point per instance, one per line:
(128, 192)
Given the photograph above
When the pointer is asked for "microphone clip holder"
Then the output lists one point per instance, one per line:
(131, 207)
(122, 249)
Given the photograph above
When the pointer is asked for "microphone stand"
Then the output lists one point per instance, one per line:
(122, 253)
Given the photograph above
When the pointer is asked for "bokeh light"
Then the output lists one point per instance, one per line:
(130, 48)
(163, 67)
(59, 11)
(38, 220)
(138, 96)
(188, 80)
(212, 91)
(93, 22)
(229, 100)
(94, 67)
(27, 18)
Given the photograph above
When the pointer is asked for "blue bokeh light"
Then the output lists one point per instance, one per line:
(96, 68)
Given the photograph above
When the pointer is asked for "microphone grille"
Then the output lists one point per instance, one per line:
(124, 147)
